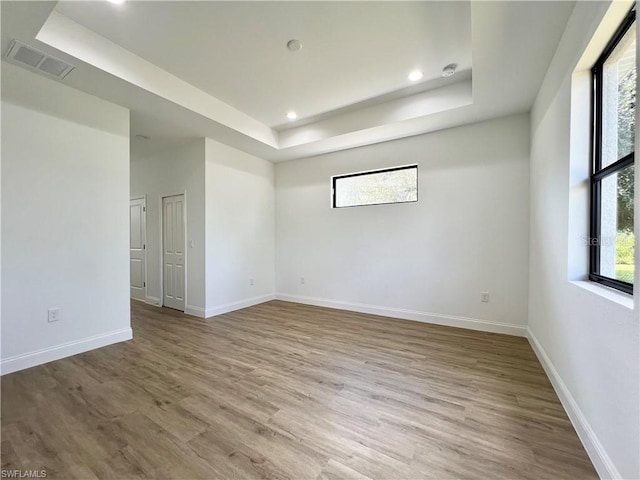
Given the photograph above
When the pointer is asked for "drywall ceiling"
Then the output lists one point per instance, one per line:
(222, 69)
(236, 51)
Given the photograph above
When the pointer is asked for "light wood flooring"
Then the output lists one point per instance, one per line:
(286, 391)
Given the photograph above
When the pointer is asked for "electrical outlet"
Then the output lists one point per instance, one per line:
(251, 281)
(484, 297)
(302, 280)
(53, 315)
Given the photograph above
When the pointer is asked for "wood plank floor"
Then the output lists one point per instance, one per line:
(291, 392)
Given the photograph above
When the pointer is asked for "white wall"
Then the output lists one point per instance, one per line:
(586, 337)
(230, 220)
(428, 260)
(179, 170)
(239, 229)
(65, 226)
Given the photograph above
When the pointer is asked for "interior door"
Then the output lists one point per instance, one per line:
(173, 251)
(137, 247)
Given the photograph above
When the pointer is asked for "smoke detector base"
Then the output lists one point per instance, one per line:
(449, 70)
(294, 45)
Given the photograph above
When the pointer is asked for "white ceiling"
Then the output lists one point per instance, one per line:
(222, 70)
(236, 51)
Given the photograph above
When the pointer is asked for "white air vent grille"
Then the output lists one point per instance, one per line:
(39, 60)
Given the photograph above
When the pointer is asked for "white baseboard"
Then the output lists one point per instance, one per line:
(195, 311)
(230, 307)
(598, 455)
(152, 301)
(31, 359)
(436, 318)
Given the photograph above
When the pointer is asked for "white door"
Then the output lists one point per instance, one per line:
(137, 240)
(173, 251)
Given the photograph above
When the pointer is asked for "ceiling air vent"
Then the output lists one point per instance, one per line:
(39, 60)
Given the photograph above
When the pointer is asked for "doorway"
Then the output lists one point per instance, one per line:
(173, 251)
(137, 249)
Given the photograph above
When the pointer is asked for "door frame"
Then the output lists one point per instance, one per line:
(161, 210)
(144, 241)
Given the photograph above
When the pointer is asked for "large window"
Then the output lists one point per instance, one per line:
(392, 185)
(612, 181)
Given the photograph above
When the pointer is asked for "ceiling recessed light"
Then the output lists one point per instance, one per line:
(117, 2)
(292, 115)
(415, 75)
(449, 70)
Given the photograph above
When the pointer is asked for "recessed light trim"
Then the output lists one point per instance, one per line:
(415, 76)
(117, 2)
(291, 115)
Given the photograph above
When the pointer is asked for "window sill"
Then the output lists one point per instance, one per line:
(606, 292)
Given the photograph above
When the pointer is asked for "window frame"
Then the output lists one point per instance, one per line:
(335, 178)
(598, 174)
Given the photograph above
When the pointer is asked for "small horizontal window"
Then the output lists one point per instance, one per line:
(392, 185)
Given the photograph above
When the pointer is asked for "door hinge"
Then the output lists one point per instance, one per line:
(144, 209)
(144, 284)
(144, 246)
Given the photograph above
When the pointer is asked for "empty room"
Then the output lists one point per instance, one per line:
(306, 240)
